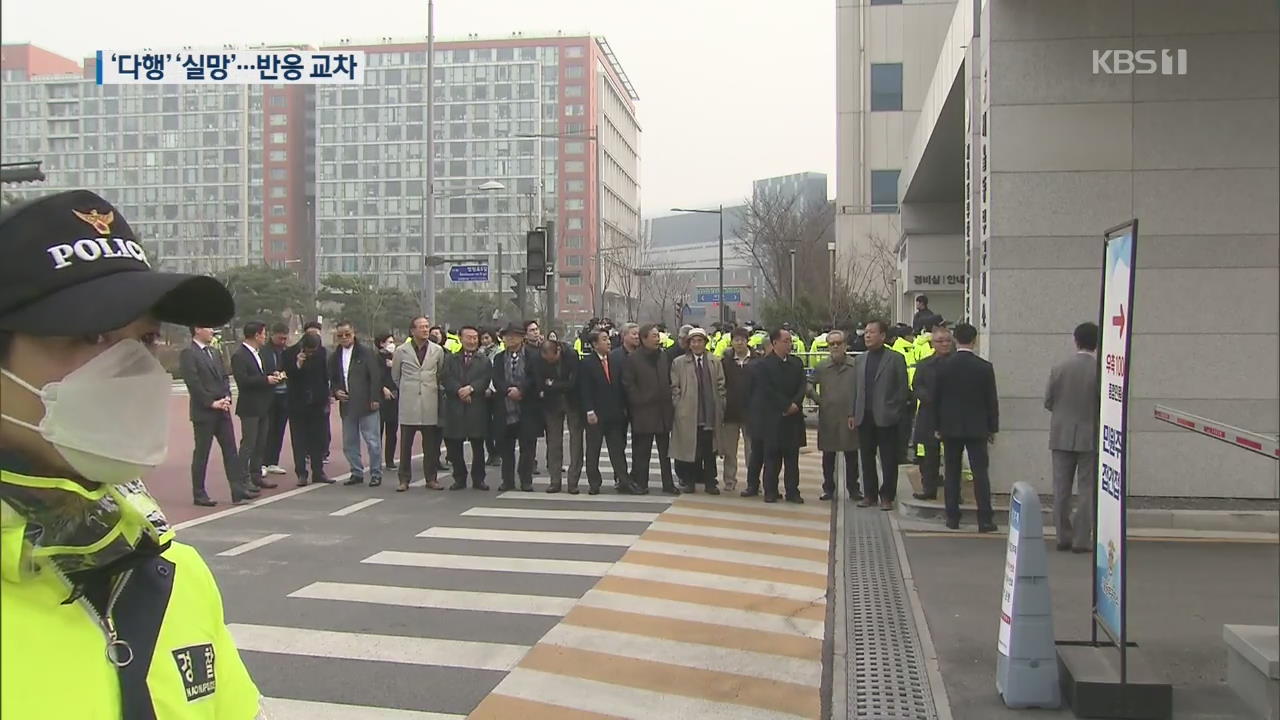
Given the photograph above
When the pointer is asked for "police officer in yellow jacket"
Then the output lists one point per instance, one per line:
(103, 616)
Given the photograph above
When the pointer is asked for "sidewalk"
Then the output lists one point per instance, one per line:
(1182, 591)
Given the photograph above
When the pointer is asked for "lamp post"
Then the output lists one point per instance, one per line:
(831, 296)
(429, 208)
(792, 254)
(720, 263)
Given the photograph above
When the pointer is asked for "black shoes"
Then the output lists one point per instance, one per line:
(573, 490)
(750, 492)
(953, 524)
(526, 488)
(481, 486)
(504, 487)
(669, 490)
(554, 488)
(987, 527)
(925, 496)
(264, 484)
(325, 480)
(458, 485)
(353, 480)
(688, 488)
(795, 499)
(644, 490)
(389, 465)
(204, 501)
(593, 490)
(771, 498)
(825, 496)
(713, 490)
(375, 482)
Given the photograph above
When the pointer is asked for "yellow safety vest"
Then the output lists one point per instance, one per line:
(53, 661)
(723, 344)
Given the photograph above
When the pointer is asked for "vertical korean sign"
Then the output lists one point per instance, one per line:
(1116, 327)
(1010, 577)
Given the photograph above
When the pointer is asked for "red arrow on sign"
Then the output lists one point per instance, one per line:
(1118, 320)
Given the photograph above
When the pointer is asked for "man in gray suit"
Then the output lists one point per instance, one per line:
(1072, 397)
(879, 398)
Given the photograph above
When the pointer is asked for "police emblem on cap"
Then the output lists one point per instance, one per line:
(100, 222)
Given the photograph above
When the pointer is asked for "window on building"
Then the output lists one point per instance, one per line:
(278, 101)
(572, 91)
(573, 281)
(279, 138)
(573, 72)
(884, 191)
(279, 228)
(886, 86)
(278, 156)
(278, 119)
(573, 299)
(575, 147)
(574, 51)
(575, 223)
(278, 191)
(574, 166)
(278, 173)
(574, 204)
(277, 210)
(575, 186)
(575, 260)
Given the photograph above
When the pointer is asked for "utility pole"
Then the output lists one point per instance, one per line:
(720, 291)
(498, 279)
(429, 209)
(552, 290)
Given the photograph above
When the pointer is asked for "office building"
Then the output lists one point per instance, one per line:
(521, 112)
(1015, 147)
(209, 176)
(682, 253)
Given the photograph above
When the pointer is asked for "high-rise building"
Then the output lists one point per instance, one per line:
(209, 176)
(521, 112)
(1017, 132)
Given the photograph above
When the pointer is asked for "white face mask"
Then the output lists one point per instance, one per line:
(109, 417)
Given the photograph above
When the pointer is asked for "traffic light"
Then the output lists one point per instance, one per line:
(535, 255)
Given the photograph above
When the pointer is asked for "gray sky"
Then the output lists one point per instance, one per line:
(730, 90)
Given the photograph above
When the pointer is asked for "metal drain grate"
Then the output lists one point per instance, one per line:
(888, 678)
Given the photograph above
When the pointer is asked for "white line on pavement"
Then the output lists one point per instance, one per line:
(253, 545)
(286, 709)
(530, 514)
(729, 514)
(734, 556)
(441, 599)
(378, 648)
(702, 657)
(747, 536)
(530, 536)
(609, 497)
(613, 700)
(356, 507)
(487, 563)
(713, 614)
(720, 582)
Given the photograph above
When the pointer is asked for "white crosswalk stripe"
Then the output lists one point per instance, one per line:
(531, 568)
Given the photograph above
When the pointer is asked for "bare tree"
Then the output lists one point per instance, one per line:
(662, 288)
(620, 262)
(771, 227)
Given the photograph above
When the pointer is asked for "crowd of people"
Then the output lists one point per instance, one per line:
(884, 396)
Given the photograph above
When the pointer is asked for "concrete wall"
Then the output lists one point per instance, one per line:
(1196, 158)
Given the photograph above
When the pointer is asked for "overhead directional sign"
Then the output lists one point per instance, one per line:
(469, 273)
(732, 296)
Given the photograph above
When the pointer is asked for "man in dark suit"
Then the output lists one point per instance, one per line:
(307, 369)
(465, 413)
(273, 361)
(1072, 397)
(966, 413)
(517, 418)
(604, 404)
(926, 376)
(555, 375)
(254, 404)
(647, 380)
(355, 376)
(777, 396)
(210, 399)
(879, 398)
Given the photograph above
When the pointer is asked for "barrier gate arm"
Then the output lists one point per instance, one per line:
(1264, 445)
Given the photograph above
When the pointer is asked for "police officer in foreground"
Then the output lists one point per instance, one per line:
(102, 615)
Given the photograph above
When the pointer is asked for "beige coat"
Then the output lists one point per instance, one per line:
(832, 387)
(418, 385)
(684, 396)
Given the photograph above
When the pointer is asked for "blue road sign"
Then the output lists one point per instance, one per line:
(469, 273)
(732, 296)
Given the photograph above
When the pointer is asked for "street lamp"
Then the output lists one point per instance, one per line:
(792, 253)
(720, 267)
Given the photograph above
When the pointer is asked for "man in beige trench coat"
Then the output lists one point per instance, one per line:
(697, 392)
(417, 368)
(832, 388)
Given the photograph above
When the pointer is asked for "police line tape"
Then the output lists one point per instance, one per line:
(1255, 442)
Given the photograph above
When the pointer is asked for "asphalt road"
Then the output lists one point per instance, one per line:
(1181, 594)
(367, 604)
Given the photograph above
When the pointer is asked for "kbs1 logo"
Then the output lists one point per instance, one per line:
(1140, 62)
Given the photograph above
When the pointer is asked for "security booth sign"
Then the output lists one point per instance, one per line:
(1116, 328)
(1027, 662)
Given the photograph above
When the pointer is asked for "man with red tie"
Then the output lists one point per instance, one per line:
(605, 405)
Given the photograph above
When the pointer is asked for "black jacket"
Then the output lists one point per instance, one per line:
(206, 380)
(777, 384)
(557, 381)
(926, 378)
(251, 380)
(363, 383)
(965, 404)
(737, 387)
(531, 421)
(462, 420)
(647, 379)
(605, 398)
(309, 384)
(384, 362)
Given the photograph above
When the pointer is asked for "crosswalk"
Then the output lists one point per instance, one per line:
(686, 607)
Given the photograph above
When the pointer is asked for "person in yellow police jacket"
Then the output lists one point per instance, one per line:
(103, 615)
